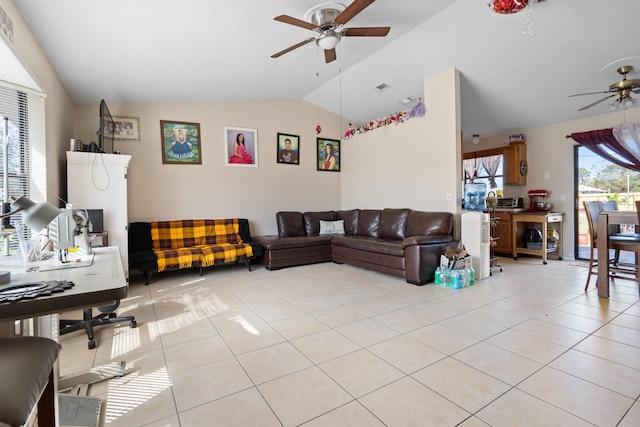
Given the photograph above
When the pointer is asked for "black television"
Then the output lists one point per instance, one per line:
(105, 132)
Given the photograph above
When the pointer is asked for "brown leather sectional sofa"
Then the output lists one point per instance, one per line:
(402, 242)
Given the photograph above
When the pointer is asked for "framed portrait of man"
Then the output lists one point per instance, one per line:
(288, 149)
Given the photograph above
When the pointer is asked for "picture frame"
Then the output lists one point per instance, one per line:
(237, 155)
(181, 143)
(288, 149)
(321, 152)
(125, 129)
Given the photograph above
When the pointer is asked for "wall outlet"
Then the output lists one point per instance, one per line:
(563, 198)
(546, 175)
(448, 197)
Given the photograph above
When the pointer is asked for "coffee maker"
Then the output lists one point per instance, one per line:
(537, 201)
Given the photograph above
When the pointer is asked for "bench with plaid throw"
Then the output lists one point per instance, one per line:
(197, 243)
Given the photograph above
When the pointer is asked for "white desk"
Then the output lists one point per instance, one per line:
(101, 283)
(98, 284)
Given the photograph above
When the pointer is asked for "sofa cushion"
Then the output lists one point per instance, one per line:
(272, 243)
(332, 227)
(312, 221)
(350, 220)
(393, 224)
(421, 223)
(368, 222)
(370, 244)
(290, 224)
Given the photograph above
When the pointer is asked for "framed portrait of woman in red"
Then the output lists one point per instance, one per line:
(241, 146)
(328, 151)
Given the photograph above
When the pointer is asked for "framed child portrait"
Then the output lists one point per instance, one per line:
(288, 149)
(124, 129)
(241, 146)
(328, 151)
(180, 143)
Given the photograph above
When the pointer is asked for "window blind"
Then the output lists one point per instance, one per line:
(25, 141)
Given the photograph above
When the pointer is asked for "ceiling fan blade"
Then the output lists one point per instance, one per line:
(366, 31)
(597, 102)
(295, 21)
(589, 93)
(352, 10)
(330, 55)
(295, 46)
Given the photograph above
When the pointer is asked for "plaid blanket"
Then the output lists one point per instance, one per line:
(194, 243)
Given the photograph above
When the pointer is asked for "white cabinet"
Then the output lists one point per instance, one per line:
(99, 181)
(474, 233)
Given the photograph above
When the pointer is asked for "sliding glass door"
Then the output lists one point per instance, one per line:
(599, 179)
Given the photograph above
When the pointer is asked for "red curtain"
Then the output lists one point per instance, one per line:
(603, 143)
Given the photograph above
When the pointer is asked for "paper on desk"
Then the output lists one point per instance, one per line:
(75, 260)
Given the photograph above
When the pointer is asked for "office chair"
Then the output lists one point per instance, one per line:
(107, 316)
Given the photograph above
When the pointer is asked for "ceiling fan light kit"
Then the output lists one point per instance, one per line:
(328, 40)
(622, 89)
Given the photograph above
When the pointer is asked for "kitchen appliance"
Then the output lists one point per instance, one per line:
(510, 202)
(537, 201)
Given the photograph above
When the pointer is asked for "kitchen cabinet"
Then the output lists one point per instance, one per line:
(502, 232)
(515, 164)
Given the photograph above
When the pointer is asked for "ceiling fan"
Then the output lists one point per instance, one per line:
(622, 89)
(327, 20)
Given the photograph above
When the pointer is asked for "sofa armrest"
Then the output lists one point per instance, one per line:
(426, 240)
(421, 261)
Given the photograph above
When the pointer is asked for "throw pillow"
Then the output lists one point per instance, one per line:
(331, 227)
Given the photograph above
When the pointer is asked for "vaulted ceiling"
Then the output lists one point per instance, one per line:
(517, 71)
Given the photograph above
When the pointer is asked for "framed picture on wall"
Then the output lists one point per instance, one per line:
(288, 149)
(241, 146)
(180, 143)
(124, 129)
(328, 151)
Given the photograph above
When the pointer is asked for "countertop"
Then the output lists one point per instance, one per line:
(513, 210)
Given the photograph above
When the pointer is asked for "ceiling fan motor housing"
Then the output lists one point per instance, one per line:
(323, 18)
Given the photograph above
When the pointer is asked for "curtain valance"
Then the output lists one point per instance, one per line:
(619, 144)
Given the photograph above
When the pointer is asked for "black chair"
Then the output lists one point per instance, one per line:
(107, 316)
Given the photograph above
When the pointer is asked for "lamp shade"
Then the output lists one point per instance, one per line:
(35, 215)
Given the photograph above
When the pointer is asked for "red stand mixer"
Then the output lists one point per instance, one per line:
(537, 202)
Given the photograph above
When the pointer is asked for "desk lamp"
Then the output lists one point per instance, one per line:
(63, 224)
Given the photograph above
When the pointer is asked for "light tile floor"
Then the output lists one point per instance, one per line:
(334, 345)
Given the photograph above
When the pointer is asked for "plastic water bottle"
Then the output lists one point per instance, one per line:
(438, 279)
(455, 280)
(446, 277)
(464, 278)
(472, 276)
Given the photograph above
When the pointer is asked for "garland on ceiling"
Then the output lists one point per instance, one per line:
(418, 110)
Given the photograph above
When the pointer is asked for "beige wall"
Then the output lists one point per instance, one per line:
(394, 166)
(548, 151)
(415, 164)
(213, 190)
(59, 108)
